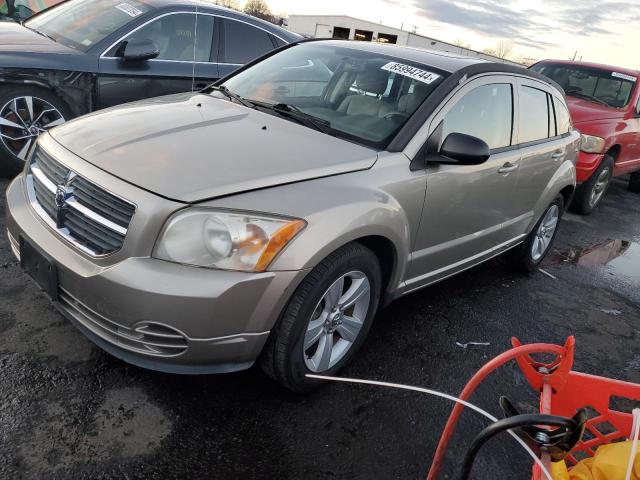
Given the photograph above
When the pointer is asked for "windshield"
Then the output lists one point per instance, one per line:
(358, 95)
(606, 87)
(80, 24)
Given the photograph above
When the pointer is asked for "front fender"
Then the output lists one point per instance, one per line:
(73, 87)
(344, 223)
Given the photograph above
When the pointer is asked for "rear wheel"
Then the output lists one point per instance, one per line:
(590, 194)
(327, 319)
(529, 255)
(634, 182)
(24, 114)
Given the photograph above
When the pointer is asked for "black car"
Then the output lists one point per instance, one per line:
(83, 55)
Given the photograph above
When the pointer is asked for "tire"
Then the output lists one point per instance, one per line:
(584, 202)
(634, 182)
(47, 111)
(524, 258)
(284, 358)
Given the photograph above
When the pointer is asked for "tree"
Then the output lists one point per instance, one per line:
(259, 9)
(504, 48)
(489, 51)
(462, 44)
(233, 4)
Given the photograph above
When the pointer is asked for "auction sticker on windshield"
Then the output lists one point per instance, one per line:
(624, 76)
(423, 76)
(129, 9)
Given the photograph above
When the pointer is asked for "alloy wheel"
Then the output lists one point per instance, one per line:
(22, 119)
(599, 188)
(545, 232)
(336, 321)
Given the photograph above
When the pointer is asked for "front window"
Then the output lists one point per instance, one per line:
(485, 113)
(361, 96)
(80, 24)
(178, 37)
(606, 87)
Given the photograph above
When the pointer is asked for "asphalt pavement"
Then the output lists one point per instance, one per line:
(70, 411)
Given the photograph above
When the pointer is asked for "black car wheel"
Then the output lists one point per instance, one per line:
(24, 114)
(590, 193)
(326, 320)
(530, 254)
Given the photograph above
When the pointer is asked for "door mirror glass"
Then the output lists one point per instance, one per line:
(140, 50)
(463, 149)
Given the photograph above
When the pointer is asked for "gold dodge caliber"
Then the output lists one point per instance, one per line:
(270, 215)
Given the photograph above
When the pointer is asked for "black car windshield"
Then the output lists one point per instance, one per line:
(360, 95)
(80, 24)
(606, 87)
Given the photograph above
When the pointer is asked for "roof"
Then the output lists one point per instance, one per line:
(599, 66)
(208, 6)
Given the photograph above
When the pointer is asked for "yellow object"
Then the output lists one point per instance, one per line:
(609, 463)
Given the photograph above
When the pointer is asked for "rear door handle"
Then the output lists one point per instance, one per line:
(557, 154)
(508, 168)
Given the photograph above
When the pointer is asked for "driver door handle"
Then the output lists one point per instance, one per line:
(508, 168)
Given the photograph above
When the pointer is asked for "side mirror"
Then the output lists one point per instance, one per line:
(462, 149)
(139, 50)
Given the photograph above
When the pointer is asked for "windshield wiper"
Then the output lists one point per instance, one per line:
(231, 95)
(294, 112)
(588, 97)
(46, 35)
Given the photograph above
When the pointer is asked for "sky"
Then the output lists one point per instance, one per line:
(603, 31)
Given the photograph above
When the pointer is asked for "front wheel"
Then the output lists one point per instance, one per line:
(326, 320)
(590, 194)
(529, 255)
(25, 113)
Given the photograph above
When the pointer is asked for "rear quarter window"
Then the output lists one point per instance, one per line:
(563, 118)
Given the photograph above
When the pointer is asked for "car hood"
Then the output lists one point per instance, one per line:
(16, 38)
(193, 147)
(584, 111)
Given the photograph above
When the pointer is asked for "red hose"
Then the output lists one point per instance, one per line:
(477, 379)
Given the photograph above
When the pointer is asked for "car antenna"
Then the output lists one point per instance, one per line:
(195, 42)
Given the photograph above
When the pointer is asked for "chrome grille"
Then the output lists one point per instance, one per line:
(92, 218)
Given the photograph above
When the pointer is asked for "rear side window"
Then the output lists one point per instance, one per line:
(243, 42)
(534, 115)
(486, 113)
(563, 119)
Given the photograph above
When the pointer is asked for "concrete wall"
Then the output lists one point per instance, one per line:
(321, 26)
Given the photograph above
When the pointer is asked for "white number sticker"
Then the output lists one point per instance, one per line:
(412, 72)
(129, 9)
(624, 76)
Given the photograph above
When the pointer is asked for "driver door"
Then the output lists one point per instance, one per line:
(466, 205)
(173, 71)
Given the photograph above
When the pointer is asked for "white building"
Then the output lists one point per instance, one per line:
(342, 26)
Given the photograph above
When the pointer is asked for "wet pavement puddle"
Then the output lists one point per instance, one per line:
(619, 257)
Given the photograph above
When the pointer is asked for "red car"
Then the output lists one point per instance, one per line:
(605, 107)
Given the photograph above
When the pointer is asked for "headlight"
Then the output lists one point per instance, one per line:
(592, 144)
(224, 240)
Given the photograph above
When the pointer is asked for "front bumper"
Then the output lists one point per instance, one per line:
(586, 165)
(157, 314)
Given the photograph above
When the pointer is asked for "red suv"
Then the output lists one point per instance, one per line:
(604, 106)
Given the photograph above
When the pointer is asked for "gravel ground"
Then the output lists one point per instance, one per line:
(70, 411)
